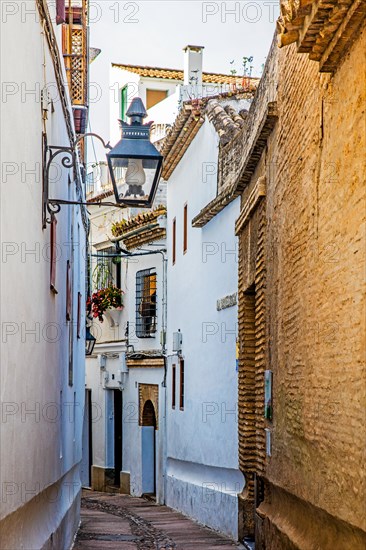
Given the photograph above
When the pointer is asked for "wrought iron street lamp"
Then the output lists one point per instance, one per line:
(135, 167)
(134, 163)
(89, 341)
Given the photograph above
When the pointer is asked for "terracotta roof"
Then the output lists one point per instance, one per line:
(144, 353)
(101, 196)
(146, 236)
(226, 120)
(175, 74)
(322, 28)
(143, 218)
(181, 134)
(148, 359)
(291, 19)
(141, 229)
(248, 145)
(190, 119)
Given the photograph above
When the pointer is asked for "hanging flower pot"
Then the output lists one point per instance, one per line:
(113, 316)
(106, 300)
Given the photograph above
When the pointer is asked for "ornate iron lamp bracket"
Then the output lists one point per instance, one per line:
(69, 158)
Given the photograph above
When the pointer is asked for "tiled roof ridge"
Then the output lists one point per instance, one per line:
(226, 120)
(237, 116)
(198, 106)
(190, 119)
(143, 218)
(101, 196)
(238, 93)
(178, 74)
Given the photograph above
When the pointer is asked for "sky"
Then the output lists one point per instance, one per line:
(154, 32)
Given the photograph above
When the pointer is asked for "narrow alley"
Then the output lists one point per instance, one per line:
(182, 297)
(120, 521)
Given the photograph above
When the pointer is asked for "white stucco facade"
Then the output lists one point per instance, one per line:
(196, 454)
(42, 355)
(203, 478)
(107, 370)
(108, 79)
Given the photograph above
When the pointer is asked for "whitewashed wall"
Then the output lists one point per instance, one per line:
(132, 432)
(111, 343)
(106, 85)
(203, 478)
(42, 414)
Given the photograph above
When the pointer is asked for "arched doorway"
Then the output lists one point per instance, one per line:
(148, 434)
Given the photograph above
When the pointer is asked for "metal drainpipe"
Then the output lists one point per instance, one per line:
(164, 353)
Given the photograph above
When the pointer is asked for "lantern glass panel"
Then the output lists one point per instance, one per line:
(134, 177)
(89, 342)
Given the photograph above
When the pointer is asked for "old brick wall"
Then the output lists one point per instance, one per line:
(315, 305)
(252, 352)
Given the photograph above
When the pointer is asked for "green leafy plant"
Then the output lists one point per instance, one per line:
(233, 71)
(110, 297)
(102, 275)
(246, 67)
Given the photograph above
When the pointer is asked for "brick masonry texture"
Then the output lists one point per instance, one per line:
(312, 243)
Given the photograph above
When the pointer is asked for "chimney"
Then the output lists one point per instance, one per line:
(193, 65)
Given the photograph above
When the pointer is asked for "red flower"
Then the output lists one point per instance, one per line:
(106, 298)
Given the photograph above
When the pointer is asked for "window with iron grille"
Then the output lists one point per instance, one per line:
(103, 274)
(146, 319)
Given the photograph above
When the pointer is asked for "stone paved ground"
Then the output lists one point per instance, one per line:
(128, 523)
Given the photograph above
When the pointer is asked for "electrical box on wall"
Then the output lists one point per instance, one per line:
(102, 361)
(177, 341)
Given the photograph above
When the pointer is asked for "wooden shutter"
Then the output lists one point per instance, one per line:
(174, 243)
(174, 384)
(185, 228)
(78, 326)
(181, 384)
(60, 12)
(68, 291)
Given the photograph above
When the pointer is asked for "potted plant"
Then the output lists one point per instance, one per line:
(106, 301)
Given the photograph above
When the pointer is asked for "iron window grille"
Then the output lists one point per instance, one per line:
(103, 274)
(146, 319)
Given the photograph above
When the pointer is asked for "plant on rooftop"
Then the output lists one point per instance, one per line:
(100, 301)
(246, 67)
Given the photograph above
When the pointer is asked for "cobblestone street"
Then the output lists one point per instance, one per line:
(128, 523)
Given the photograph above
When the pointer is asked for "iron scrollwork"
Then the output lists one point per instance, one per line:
(69, 160)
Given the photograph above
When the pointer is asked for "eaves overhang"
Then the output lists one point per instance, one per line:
(250, 146)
